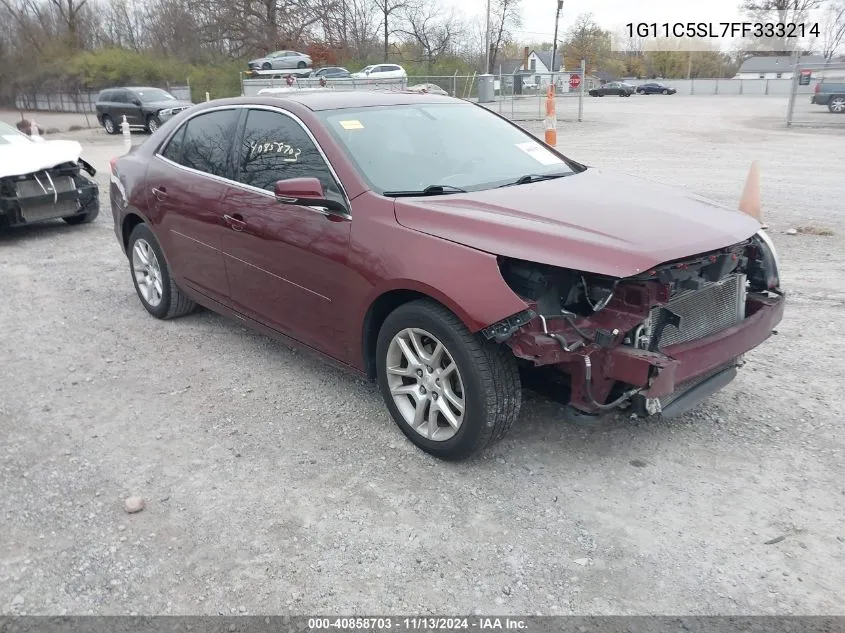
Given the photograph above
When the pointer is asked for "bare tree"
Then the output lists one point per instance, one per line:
(505, 15)
(432, 27)
(833, 33)
(388, 8)
(587, 40)
(785, 12)
(69, 12)
(362, 25)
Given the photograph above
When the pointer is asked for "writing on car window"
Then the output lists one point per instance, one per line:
(289, 152)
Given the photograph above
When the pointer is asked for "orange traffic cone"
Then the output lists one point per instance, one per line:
(750, 202)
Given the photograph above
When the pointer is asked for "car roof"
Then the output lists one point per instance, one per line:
(339, 99)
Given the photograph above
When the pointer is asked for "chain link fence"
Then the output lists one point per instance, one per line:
(76, 100)
(519, 97)
(817, 97)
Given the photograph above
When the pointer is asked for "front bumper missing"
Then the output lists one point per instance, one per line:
(688, 372)
(27, 201)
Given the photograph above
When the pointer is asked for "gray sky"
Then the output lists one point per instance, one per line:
(538, 15)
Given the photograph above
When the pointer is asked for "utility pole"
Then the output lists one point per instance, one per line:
(554, 41)
(487, 42)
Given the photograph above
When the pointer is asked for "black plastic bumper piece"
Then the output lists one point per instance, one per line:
(705, 389)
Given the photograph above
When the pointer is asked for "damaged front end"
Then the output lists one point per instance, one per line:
(61, 191)
(657, 342)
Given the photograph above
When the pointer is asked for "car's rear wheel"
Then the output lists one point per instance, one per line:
(836, 104)
(108, 125)
(156, 289)
(451, 392)
(152, 123)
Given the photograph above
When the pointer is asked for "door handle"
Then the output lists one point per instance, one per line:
(160, 193)
(235, 222)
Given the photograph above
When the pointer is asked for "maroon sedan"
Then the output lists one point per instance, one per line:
(431, 244)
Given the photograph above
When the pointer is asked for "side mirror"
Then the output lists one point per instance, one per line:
(137, 102)
(306, 192)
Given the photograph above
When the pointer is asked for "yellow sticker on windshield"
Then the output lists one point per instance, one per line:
(351, 125)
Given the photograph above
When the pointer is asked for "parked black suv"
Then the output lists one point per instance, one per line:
(145, 108)
(831, 94)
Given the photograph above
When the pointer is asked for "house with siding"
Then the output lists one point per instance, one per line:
(775, 66)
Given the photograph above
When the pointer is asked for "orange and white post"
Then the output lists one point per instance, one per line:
(551, 118)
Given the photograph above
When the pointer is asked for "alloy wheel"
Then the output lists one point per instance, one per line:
(153, 124)
(147, 272)
(426, 384)
(109, 125)
(837, 104)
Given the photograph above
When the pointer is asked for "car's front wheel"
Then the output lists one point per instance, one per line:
(302, 65)
(152, 123)
(266, 66)
(666, 92)
(156, 289)
(836, 104)
(451, 392)
(108, 125)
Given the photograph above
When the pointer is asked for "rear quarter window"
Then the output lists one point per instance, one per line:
(173, 149)
(207, 142)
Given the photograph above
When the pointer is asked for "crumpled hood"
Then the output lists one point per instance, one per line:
(610, 224)
(25, 158)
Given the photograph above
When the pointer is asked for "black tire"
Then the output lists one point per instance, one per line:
(302, 65)
(266, 66)
(836, 104)
(666, 92)
(109, 125)
(174, 303)
(84, 218)
(152, 123)
(489, 372)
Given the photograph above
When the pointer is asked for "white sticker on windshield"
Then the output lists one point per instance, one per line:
(539, 153)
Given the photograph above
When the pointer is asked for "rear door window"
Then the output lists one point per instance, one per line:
(207, 142)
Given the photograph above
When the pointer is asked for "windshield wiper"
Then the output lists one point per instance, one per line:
(527, 178)
(431, 190)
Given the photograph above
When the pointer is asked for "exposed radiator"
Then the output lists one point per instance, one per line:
(708, 310)
(30, 188)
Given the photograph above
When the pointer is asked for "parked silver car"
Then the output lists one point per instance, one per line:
(281, 59)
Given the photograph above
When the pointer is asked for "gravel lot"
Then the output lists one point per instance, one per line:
(275, 484)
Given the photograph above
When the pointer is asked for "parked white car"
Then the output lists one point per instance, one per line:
(381, 71)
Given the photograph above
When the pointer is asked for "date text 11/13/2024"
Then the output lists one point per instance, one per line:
(718, 30)
(422, 623)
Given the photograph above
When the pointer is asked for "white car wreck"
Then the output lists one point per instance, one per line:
(42, 180)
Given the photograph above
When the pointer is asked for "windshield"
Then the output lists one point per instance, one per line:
(150, 95)
(10, 135)
(410, 147)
